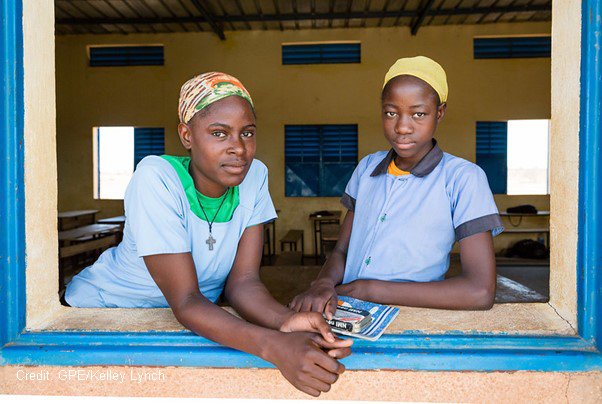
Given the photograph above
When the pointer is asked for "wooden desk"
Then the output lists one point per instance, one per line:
(92, 230)
(269, 229)
(539, 213)
(112, 220)
(329, 216)
(533, 230)
(91, 238)
(118, 220)
(76, 218)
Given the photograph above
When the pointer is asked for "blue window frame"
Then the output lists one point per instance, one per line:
(492, 156)
(478, 351)
(513, 47)
(321, 53)
(319, 159)
(120, 56)
(147, 142)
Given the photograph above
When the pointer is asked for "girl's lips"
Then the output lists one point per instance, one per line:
(405, 146)
(235, 168)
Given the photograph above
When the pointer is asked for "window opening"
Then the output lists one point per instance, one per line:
(319, 159)
(515, 155)
(321, 53)
(119, 56)
(118, 149)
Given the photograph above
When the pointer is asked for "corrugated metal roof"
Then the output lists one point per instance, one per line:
(158, 16)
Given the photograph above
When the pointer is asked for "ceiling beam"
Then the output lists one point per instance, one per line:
(209, 18)
(421, 16)
(214, 20)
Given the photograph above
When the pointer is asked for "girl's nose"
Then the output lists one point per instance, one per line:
(237, 146)
(404, 125)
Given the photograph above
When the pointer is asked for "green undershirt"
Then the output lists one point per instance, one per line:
(210, 205)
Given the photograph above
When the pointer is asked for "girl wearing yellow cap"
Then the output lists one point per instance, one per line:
(406, 209)
(194, 229)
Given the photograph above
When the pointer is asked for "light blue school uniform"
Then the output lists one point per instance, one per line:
(159, 220)
(404, 227)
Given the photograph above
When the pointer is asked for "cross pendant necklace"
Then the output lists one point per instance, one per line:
(210, 240)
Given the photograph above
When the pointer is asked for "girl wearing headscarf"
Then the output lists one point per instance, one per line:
(194, 228)
(407, 207)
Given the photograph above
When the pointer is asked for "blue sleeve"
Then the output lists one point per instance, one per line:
(473, 207)
(155, 213)
(263, 209)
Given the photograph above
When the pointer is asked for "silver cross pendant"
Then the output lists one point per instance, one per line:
(210, 241)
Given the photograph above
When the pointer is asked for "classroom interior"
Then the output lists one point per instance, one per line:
(305, 94)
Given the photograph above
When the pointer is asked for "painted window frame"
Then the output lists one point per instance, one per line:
(415, 351)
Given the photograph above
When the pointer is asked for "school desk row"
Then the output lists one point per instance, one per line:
(79, 231)
(81, 236)
(80, 226)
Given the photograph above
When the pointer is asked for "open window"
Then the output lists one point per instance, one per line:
(515, 155)
(32, 308)
(117, 150)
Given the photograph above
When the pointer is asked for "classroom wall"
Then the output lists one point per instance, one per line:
(308, 94)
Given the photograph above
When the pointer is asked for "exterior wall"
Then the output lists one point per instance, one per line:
(384, 385)
(564, 152)
(267, 383)
(339, 93)
(40, 154)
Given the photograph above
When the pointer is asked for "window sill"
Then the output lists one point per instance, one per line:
(507, 319)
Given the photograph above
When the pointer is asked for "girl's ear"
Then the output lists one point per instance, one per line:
(441, 111)
(185, 135)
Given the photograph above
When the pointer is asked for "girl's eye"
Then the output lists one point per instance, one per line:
(247, 134)
(390, 114)
(419, 114)
(218, 134)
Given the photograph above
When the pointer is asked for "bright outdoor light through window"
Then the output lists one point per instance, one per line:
(528, 157)
(114, 161)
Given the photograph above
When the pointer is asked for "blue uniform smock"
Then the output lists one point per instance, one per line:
(159, 221)
(404, 227)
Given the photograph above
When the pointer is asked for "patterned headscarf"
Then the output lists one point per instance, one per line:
(205, 89)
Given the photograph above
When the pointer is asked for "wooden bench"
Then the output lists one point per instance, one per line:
(291, 238)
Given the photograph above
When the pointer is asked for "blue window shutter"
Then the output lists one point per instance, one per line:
(319, 159)
(339, 143)
(104, 56)
(513, 47)
(148, 141)
(303, 54)
(492, 153)
(302, 159)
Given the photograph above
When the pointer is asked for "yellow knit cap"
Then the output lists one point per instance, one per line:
(423, 68)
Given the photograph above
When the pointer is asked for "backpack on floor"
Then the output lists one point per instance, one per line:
(528, 249)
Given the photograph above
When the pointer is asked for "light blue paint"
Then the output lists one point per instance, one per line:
(12, 202)
(589, 261)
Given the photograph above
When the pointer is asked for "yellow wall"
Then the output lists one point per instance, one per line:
(343, 93)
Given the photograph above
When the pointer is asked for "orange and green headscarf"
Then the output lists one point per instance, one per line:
(205, 89)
